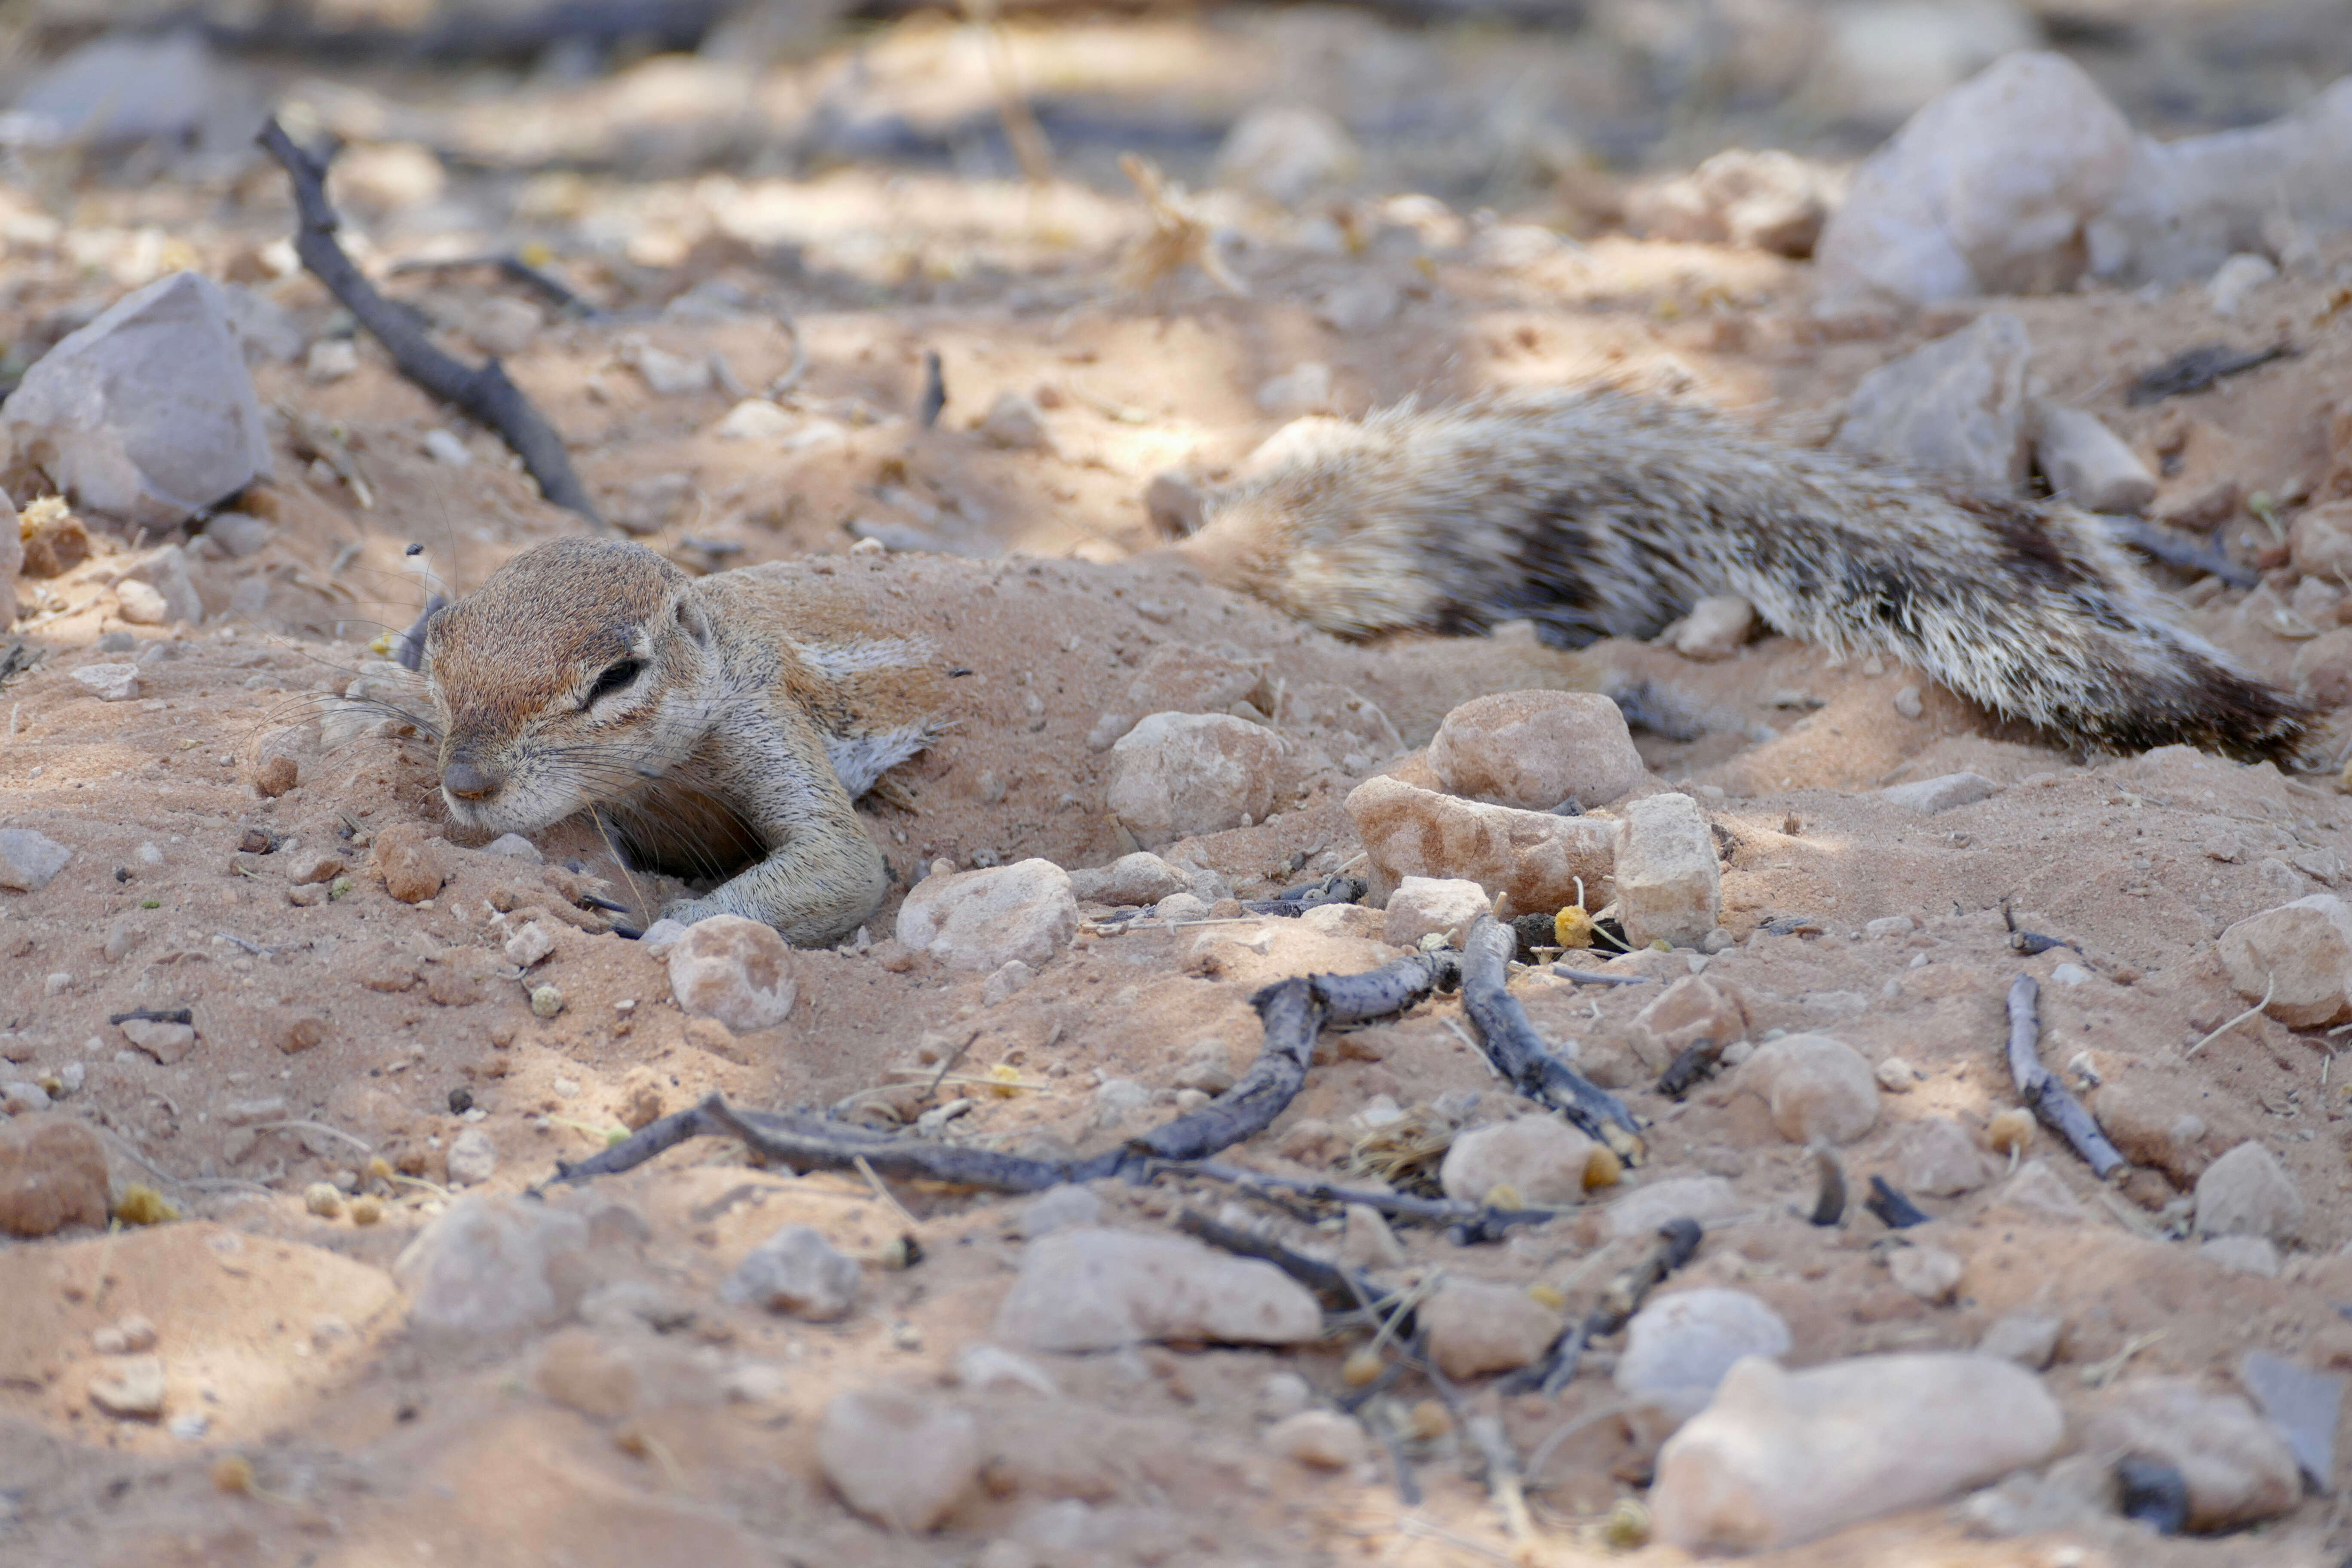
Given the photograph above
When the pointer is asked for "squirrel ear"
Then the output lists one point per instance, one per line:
(692, 621)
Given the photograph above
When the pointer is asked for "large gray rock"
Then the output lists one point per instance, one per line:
(30, 860)
(148, 412)
(902, 1460)
(2238, 1467)
(1819, 1089)
(1476, 1327)
(1956, 406)
(2247, 1191)
(797, 1271)
(1088, 1288)
(494, 1267)
(1988, 189)
(1534, 858)
(1541, 1159)
(2299, 956)
(1779, 1458)
(983, 919)
(1678, 1348)
(1175, 774)
(1534, 750)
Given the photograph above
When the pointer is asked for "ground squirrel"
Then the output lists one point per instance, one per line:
(1595, 514)
(710, 723)
(729, 719)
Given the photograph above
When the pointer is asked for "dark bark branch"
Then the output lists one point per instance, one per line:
(483, 394)
(1337, 1287)
(1521, 1055)
(2054, 1104)
(1622, 1297)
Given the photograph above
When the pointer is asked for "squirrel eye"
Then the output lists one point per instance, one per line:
(615, 677)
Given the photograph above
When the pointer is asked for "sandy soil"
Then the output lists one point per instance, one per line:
(283, 1331)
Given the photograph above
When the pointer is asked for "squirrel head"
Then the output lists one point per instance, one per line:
(580, 673)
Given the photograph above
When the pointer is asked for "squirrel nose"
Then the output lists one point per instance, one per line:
(467, 782)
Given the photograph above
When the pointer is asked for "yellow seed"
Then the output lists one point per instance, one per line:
(1008, 1080)
(2011, 1130)
(1602, 1168)
(1574, 927)
(1361, 1367)
(1627, 1527)
(366, 1211)
(1430, 1420)
(145, 1206)
(233, 1473)
(1503, 1195)
(321, 1199)
(1548, 1296)
(379, 1169)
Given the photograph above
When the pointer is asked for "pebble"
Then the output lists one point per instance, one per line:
(1016, 421)
(148, 412)
(2300, 955)
(1678, 1348)
(323, 1199)
(1896, 1076)
(2321, 540)
(1283, 1393)
(1717, 628)
(2088, 464)
(668, 374)
(1177, 774)
(2235, 281)
(738, 971)
(28, 860)
(515, 847)
(1208, 1067)
(2040, 1191)
(1135, 879)
(2302, 1405)
(411, 860)
(2238, 1467)
(2029, 1338)
(980, 920)
(1475, 1327)
(165, 569)
(1818, 1089)
(1533, 749)
(1692, 1009)
(52, 1173)
(1285, 153)
(142, 605)
(1758, 200)
(755, 419)
(472, 1159)
(1005, 981)
(1422, 905)
(1179, 907)
(902, 1460)
(447, 450)
(130, 1389)
(796, 1272)
(546, 1001)
(1936, 1157)
(1986, 190)
(1089, 1288)
(1669, 880)
(109, 682)
(1927, 1272)
(1533, 857)
(1540, 1158)
(167, 1043)
(1956, 406)
(331, 360)
(1322, 1439)
(1929, 797)
(2247, 1191)
(318, 865)
(528, 945)
(491, 1266)
(1909, 704)
(1641, 1211)
(1059, 1209)
(1779, 1458)
(1366, 1241)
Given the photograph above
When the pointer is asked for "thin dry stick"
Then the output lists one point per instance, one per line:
(1021, 127)
(2269, 985)
(885, 1194)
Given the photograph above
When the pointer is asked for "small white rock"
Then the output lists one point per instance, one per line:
(445, 449)
(1422, 905)
(28, 860)
(1086, 1288)
(796, 1272)
(529, 945)
(2247, 1191)
(2235, 280)
(110, 682)
(981, 919)
(1930, 796)
(515, 846)
(902, 1460)
(1323, 1439)
(1541, 1158)
(472, 1159)
(1678, 1348)
(1669, 881)
(735, 970)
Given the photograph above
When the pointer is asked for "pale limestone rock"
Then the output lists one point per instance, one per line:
(1086, 1288)
(1669, 881)
(1541, 1158)
(1818, 1089)
(1531, 857)
(979, 920)
(1422, 905)
(735, 970)
(1535, 750)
